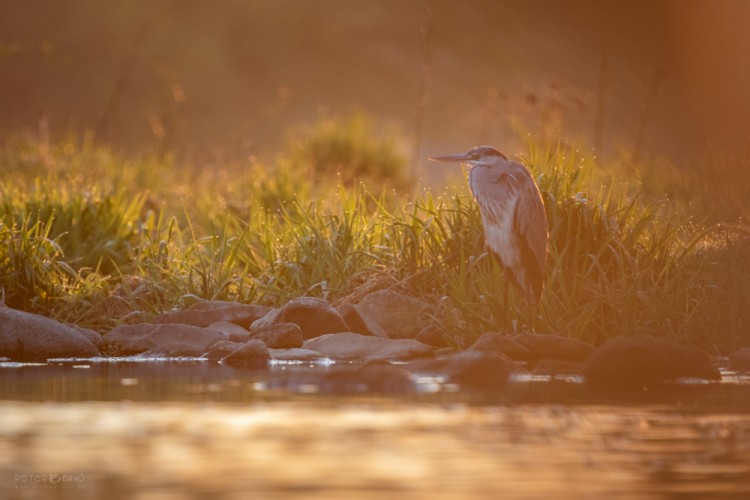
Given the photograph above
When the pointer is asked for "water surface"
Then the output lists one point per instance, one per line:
(187, 429)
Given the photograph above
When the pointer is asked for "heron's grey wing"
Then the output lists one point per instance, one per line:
(531, 220)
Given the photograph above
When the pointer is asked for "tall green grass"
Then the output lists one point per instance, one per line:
(90, 237)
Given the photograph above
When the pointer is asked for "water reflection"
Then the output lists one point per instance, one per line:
(191, 430)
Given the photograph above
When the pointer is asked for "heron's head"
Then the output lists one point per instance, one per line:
(480, 155)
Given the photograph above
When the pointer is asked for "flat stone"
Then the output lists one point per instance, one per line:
(470, 369)
(739, 361)
(279, 336)
(232, 331)
(355, 346)
(644, 361)
(252, 354)
(167, 339)
(314, 317)
(296, 354)
(497, 342)
(547, 346)
(398, 315)
(206, 313)
(32, 337)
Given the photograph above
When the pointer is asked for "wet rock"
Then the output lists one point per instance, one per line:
(432, 335)
(371, 377)
(398, 315)
(547, 346)
(354, 320)
(643, 361)
(221, 349)
(232, 331)
(470, 369)
(354, 346)
(314, 317)
(279, 336)
(374, 376)
(167, 339)
(252, 354)
(206, 313)
(497, 342)
(31, 337)
(739, 361)
(556, 367)
(295, 354)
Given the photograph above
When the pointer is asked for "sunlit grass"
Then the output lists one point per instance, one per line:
(90, 237)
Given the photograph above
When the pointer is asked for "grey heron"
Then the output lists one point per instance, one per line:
(513, 217)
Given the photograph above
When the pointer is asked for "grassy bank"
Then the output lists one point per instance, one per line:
(91, 237)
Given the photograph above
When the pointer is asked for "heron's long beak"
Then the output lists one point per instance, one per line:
(450, 158)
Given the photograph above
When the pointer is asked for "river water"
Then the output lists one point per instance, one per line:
(187, 429)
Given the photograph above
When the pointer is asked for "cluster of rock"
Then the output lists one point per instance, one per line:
(384, 327)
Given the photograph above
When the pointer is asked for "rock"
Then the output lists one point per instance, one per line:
(31, 337)
(497, 342)
(252, 354)
(279, 336)
(206, 313)
(232, 331)
(354, 346)
(354, 320)
(555, 367)
(643, 361)
(471, 369)
(221, 349)
(314, 317)
(371, 377)
(739, 361)
(431, 335)
(295, 355)
(93, 336)
(546, 346)
(398, 315)
(165, 339)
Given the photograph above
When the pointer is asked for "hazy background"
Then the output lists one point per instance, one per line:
(229, 77)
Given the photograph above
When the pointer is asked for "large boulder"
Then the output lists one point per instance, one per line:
(355, 346)
(392, 314)
(279, 336)
(497, 342)
(547, 346)
(31, 337)
(470, 369)
(206, 313)
(162, 340)
(314, 317)
(252, 354)
(644, 361)
(739, 361)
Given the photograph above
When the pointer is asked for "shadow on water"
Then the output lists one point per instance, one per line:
(190, 429)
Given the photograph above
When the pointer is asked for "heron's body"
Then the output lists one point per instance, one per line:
(513, 217)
